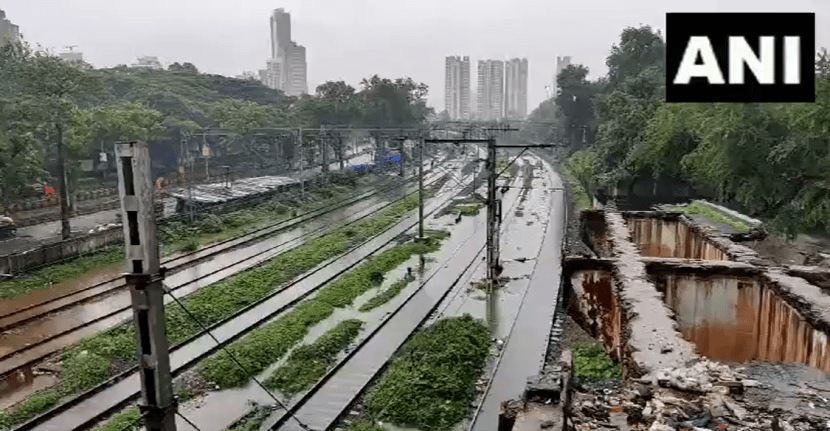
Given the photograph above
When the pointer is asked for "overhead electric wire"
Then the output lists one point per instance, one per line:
(224, 349)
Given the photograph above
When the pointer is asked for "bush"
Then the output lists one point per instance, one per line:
(431, 382)
(592, 363)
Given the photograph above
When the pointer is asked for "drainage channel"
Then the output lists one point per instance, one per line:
(668, 235)
(84, 410)
(324, 404)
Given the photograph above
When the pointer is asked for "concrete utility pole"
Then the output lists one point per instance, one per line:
(493, 217)
(144, 276)
(421, 189)
(300, 152)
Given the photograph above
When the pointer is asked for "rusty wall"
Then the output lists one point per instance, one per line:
(662, 237)
(738, 319)
(594, 305)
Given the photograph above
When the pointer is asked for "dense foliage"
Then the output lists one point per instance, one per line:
(771, 160)
(431, 383)
(44, 100)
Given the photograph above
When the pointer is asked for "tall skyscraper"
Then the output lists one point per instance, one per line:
(457, 87)
(490, 90)
(561, 64)
(9, 33)
(286, 70)
(515, 84)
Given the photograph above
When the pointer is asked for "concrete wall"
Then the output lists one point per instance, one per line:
(18, 262)
(661, 237)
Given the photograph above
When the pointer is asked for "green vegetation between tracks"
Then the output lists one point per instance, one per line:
(430, 384)
(96, 359)
(309, 363)
(180, 236)
(385, 295)
(267, 344)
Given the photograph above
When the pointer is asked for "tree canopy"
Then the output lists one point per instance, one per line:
(772, 160)
(44, 101)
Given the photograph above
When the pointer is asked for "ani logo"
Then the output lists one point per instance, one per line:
(740, 57)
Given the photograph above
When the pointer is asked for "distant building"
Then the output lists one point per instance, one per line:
(288, 58)
(72, 56)
(561, 64)
(250, 76)
(457, 87)
(9, 33)
(148, 62)
(490, 97)
(515, 85)
(272, 75)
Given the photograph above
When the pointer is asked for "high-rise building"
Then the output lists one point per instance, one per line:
(72, 56)
(9, 33)
(490, 98)
(287, 57)
(515, 85)
(457, 87)
(561, 64)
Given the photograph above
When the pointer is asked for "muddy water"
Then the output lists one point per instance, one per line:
(15, 387)
(51, 331)
(657, 237)
(737, 319)
(594, 233)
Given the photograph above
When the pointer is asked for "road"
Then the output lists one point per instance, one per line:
(30, 237)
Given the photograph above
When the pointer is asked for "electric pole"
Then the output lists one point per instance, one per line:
(421, 189)
(144, 276)
(300, 152)
(493, 217)
(63, 187)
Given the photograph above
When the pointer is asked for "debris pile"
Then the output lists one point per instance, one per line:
(707, 396)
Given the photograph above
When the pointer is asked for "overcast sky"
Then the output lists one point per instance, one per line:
(352, 39)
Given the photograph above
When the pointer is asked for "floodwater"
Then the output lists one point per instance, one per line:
(523, 354)
(663, 237)
(187, 355)
(46, 336)
(219, 410)
(737, 319)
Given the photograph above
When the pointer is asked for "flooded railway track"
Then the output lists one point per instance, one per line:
(32, 311)
(86, 409)
(330, 399)
(35, 352)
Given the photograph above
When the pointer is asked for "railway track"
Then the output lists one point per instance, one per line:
(27, 313)
(325, 403)
(36, 352)
(86, 409)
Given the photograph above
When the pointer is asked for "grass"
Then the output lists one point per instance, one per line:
(309, 363)
(592, 363)
(252, 421)
(126, 420)
(365, 426)
(701, 209)
(90, 362)
(582, 199)
(178, 237)
(385, 295)
(430, 384)
(267, 344)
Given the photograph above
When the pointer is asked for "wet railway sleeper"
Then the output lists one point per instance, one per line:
(34, 352)
(322, 406)
(16, 316)
(84, 410)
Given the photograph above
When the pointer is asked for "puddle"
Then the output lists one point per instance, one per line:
(737, 319)
(16, 387)
(670, 237)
